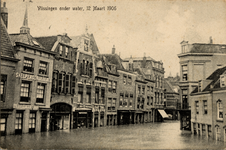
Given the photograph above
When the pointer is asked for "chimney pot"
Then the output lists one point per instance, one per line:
(211, 40)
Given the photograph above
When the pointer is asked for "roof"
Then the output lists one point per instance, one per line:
(114, 59)
(138, 58)
(215, 80)
(47, 41)
(208, 48)
(169, 88)
(6, 47)
(26, 39)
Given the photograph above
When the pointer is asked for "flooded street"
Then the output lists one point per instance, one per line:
(164, 135)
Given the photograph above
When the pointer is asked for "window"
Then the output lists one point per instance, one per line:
(139, 90)
(18, 122)
(73, 80)
(121, 100)
(143, 90)
(25, 91)
(197, 107)
(40, 93)
(3, 126)
(148, 88)
(60, 82)
(114, 86)
(184, 99)
(219, 110)
(66, 52)
(54, 82)
(131, 100)
(43, 68)
(32, 121)
(28, 65)
(222, 81)
(113, 103)
(109, 103)
(102, 96)
(129, 80)
(90, 69)
(148, 100)
(86, 45)
(97, 95)
(200, 86)
(88, 94)
(67, 84)
(138, 102)
(3, 87)
(126, 100)
(124, 79)
(184, 73)
(152, 89)
(60, 50)
(151, 101)
(80, 94)
(205, 106)
(109, 86)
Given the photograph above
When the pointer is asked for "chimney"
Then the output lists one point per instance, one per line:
(113, 49)
(144, 61)
(4, 14)
(131, 63)
(211, 40)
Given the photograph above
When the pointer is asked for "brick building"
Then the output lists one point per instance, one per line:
(208, 106)
(31, 102)
(8, 78)
(197, 62)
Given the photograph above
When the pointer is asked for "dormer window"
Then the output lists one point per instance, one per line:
(86, 45)
(200, 86)
(222, 80)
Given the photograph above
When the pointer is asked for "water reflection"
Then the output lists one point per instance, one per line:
(139, 136)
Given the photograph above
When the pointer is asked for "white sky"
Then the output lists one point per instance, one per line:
(154, 27)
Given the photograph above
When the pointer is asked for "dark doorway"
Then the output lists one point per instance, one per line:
(44, 122)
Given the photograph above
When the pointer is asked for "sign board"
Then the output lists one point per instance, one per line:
(31, 77)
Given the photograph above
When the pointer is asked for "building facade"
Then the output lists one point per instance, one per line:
(197, 61)
(208, 106)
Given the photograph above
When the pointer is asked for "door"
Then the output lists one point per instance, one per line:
(44, 122)
(19, 123)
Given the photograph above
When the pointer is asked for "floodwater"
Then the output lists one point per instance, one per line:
(165, 135)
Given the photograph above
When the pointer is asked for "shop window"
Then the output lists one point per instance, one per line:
(88, 93)
(219, 110)
(197, 107)
(185, 99)
(3, 87)
(54, 82)
(28, 65)
(40, 93)
(19, 122)
(60, 50)
(80, 94)
(67, 84)
(121, 100)
(73, 81)
(3, 126)
(184, 73)
(32, 121)
(25, 91)
(205, 106)
(97, 95)
(109, 86)
(114, 86)
(109, 103)
(43, 68)
(131, 100)
(113, 103)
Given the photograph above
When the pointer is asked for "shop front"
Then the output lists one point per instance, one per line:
(82, 118)
(60, 117)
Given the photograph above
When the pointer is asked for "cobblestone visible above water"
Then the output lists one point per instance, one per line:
(164, 135)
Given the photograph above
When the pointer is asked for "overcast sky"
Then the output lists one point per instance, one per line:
(154, 27)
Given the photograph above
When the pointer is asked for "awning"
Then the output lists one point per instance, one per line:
(163, 113)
